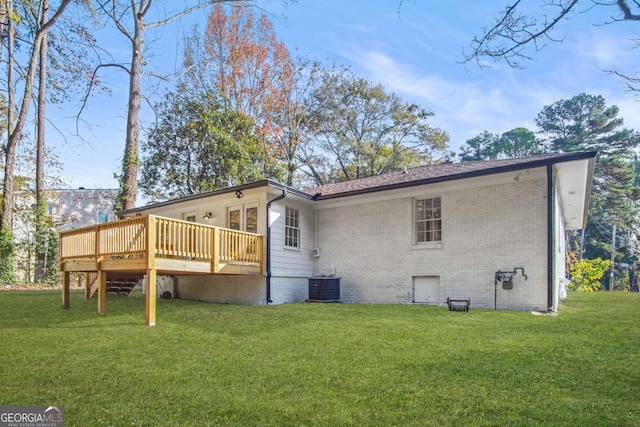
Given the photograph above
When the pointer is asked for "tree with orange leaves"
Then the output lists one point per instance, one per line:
(239, 62)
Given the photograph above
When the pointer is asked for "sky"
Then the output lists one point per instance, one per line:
(414, 50)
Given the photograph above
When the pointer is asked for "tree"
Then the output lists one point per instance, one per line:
(480, 147)
(289, 134)
(41, 202)
(365, 131)
(18, 110)
(239, 62)
(517, 31)
(32, 240)
(584, 122)
(118, 12)
(518, 142)
(200, 146)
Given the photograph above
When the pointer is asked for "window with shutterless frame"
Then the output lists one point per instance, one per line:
(292, 228)
(428, 220)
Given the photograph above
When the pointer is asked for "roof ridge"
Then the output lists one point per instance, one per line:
(437, 172)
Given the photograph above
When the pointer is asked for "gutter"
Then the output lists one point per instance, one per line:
(550, 236)
(248, 186)
(588, 191)
(268, 260)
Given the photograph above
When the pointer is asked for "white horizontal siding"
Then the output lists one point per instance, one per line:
(289, 262)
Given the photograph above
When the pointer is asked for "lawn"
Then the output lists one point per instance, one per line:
(322, 364)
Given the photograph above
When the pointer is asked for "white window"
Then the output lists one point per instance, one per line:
(428, 214)
(292, 228)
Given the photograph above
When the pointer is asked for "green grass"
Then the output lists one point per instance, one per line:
(322, 364)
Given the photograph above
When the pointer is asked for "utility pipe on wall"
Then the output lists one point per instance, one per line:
(268, 260)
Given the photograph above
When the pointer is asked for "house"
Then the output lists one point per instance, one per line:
(492, 232)
(66, 209)
(73, 208)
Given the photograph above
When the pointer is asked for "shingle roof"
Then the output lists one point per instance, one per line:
(438, 173)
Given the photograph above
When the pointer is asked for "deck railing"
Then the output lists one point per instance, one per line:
(167, 238)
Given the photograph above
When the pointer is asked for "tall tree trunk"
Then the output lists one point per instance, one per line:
(16, 122)
(130, 161)
(6, 212)
(41, 202)
(6, 216)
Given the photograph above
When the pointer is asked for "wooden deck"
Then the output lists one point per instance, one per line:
(156, 245)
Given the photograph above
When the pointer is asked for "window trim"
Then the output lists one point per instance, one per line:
(436, 244)
(288, 227)
(103, 214)
(242, 219)
(190, 214)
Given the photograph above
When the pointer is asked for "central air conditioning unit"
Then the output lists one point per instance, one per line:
(324, 289)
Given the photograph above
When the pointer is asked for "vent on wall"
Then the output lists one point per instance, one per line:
(316, 252)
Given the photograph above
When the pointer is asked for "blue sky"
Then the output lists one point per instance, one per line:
(414, 51)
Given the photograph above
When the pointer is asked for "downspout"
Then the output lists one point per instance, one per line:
(268, 260)
(550, 236)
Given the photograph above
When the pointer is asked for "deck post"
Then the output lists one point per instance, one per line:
(151, 272)
(87, 286)
(102, 292)
(151, 296)
(65, 290)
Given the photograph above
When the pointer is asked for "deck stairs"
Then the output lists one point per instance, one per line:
(117, 283)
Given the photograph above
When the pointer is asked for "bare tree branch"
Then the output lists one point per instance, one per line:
(515, 32)
(187, 11)
(626, 10)
(90, 86)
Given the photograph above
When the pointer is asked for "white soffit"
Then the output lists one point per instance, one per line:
(574, 188)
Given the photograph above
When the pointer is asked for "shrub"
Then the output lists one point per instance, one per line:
(6, 256)
(586, 274)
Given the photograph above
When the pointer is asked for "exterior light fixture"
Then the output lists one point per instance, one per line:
(239, 194)
(208, 215)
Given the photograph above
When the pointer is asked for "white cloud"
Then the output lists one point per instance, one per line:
(604, 50)
(464, 108)
(629, 107)
(496, 100)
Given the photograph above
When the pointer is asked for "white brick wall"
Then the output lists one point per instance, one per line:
(488, 225)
